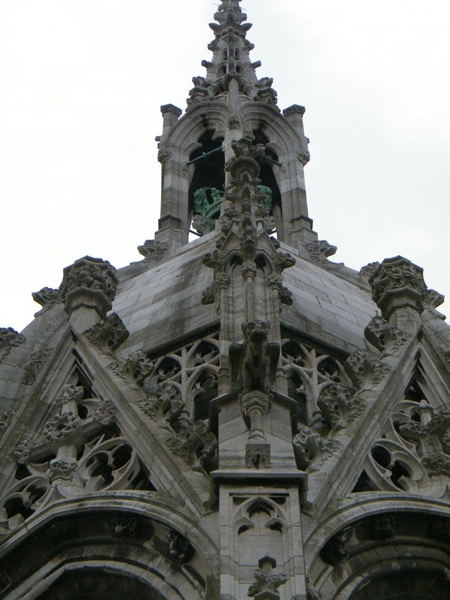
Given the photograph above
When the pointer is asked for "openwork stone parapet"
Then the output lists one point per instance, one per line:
(398, 283)
(89, 283)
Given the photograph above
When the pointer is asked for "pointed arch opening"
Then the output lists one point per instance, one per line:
(208, 183)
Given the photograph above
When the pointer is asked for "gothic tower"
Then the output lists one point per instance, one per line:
(234, 415)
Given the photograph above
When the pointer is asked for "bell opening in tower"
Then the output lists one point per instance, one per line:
(207, 186)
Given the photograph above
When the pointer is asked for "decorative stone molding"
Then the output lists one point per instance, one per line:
(90, 283)
(35, 365)
(61, 470)
(398, 283)
(365, 370)
(61, 428)
(69, 394)
(311, 450)
(386, 338)
(108, 335)
(267, 583)
(105, 413)
(339, 406)
(47, 298)
(257, 456)
(153, 250)
(9, 339)
(320, 250)
(23, 450)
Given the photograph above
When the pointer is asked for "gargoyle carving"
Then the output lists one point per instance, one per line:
(253, 363)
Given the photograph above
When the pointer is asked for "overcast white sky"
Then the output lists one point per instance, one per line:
(81, 84)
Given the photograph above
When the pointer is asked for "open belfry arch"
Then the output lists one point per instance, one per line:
(235, 415)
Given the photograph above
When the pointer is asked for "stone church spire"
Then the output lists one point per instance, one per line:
(231, 59)
(228, 105)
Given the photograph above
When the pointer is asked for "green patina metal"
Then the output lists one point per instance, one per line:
(208, 201)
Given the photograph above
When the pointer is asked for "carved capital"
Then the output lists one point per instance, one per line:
(275, 282)
(294, 110)
(255, 401)
(89, 283)
(249, 270)
(397, 283)
(171, 109)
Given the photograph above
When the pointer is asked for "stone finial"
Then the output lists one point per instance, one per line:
(88, 288)
(397, 284)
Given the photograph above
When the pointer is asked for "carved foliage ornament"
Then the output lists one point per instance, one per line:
(47, 298)
(320, 251)
(91, 277)
(108, 335)
(365, 370)
(339, 406)
(311, 449)
(153, 250)
(9, 339)
(386, 338)
(34, 366)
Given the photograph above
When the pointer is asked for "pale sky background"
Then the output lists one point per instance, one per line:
(81, 84)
